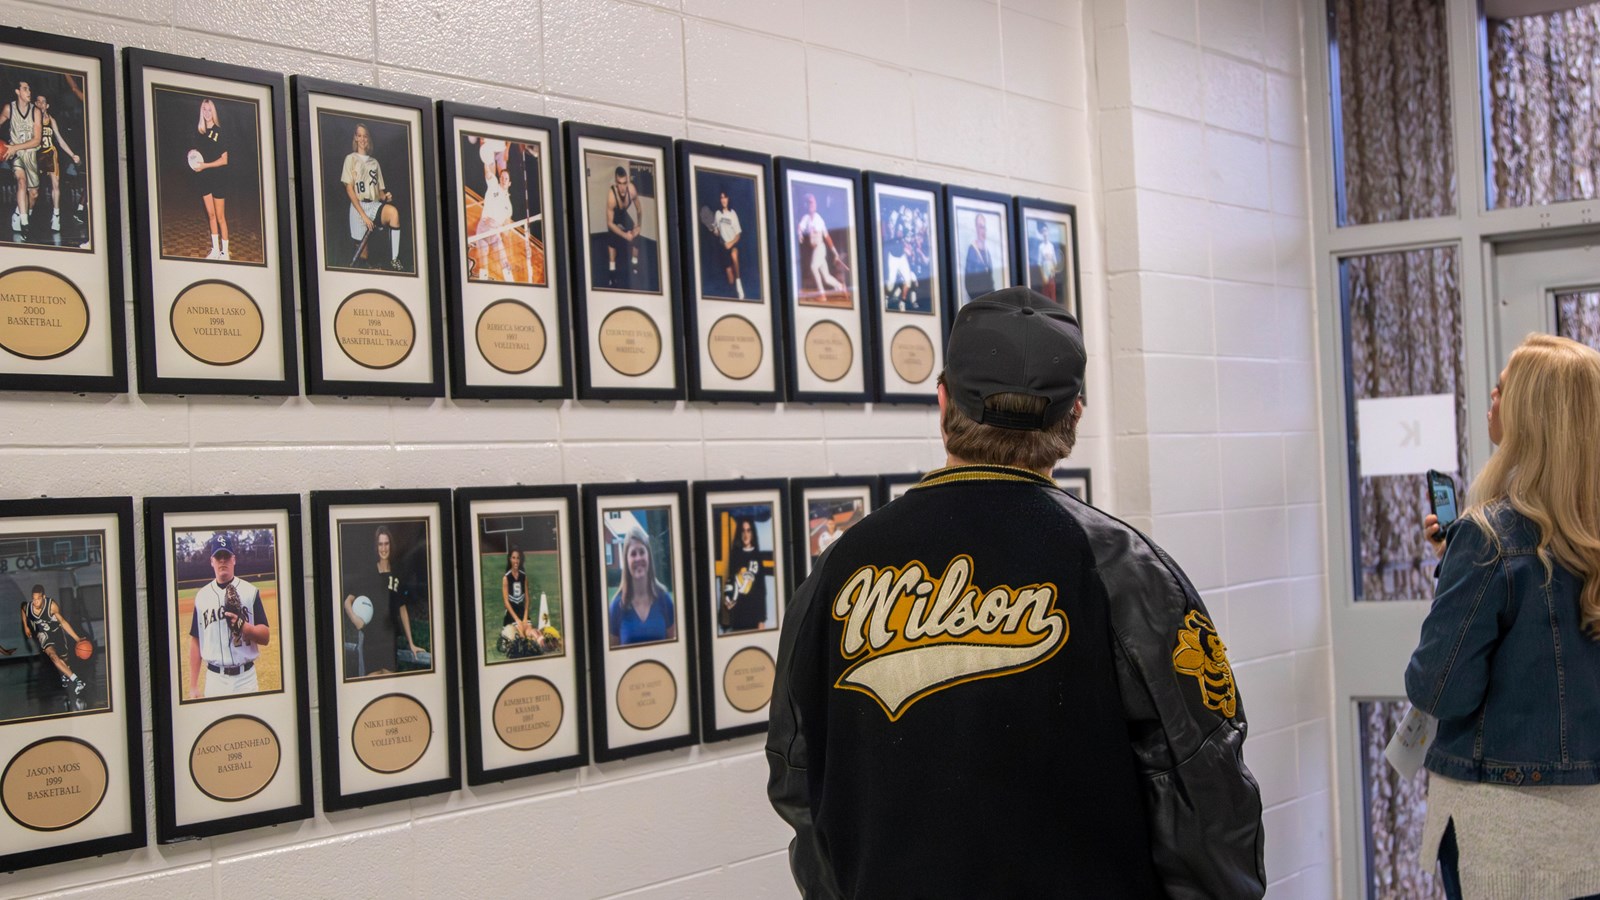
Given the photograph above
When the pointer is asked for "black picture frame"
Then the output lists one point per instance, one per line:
(680, 666)
(892, 486)
(95, 368)
(1075, 482)
(148, 227)
(326, 373)
(1068, 284)
(955, 200)
(856, 382)
(764, 640)
(868, 488)
(472, 650)
(472, 374)
(597, 377)
(698, 309)
(331, 679)
(896, 348)
(289, 604)
(118, 514)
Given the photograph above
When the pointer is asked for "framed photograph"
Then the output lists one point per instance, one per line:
(521, 631)
(824, 509)
(894, 486)
(1047, 243)
(1074, 482)
(733, 325)
(626, 302)
(506, 262)
(210, 185)
(823, 257)
(385, 645)
(982, 244)
(742, 578)
(62, 326)
(71, 742)
(641, 624)
(369, 263)
(228, 654)
(908, 287)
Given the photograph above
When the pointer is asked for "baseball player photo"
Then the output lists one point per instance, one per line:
(385, 607)
(208, 176)
(226, 597)
(828, 518)
(53, 639)
(821, 233)
(503, 210)
(1048, 272)
(728, 243)
(905, 253)
(519, 580)
(44, 155)
(367, 196)
(745, 588)
(624, 235)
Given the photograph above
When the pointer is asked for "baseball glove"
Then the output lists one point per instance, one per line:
(231, 604)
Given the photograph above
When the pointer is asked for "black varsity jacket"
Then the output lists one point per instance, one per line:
(990, 689)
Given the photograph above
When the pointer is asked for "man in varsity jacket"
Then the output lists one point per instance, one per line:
(990, 689)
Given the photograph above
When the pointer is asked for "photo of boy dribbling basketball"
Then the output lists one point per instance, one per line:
(43, 623)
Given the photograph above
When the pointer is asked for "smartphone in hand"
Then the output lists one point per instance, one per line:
(1442, 495)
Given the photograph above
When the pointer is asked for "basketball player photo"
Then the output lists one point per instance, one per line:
(383, 596)
(53, 636)
(44, 157)
(624, 234)
(519, 567)
(368, 202)
(208, 175)
(821, 235)
(745, 584)
(728, 243)
(504, 220)
(224, 585)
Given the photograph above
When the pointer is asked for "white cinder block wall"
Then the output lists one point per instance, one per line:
(1113, 109)
(1204, 166)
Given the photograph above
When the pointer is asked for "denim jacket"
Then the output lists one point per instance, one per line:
(1504, 665)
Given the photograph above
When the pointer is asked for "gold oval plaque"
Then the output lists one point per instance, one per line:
(527, 714)
(217, 323)
(829, 352)
(630, 342)
(391, 733)
(911, 353)
(374, 329)
(54, 784)
(42, 315)
(734, 346)
(646, 694)
(511, 336)
(747, 681)
(235, 758)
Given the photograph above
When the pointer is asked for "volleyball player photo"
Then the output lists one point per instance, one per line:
(504, 221)
(208, 175)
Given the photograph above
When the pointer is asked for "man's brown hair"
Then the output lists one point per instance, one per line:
(975, 442)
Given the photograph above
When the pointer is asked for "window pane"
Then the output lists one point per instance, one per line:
(1396, 809)
(1403, 339)
(1578, 317)
(1542, 107)
(1392, 140)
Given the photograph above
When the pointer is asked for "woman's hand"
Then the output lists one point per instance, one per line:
(1432, 531)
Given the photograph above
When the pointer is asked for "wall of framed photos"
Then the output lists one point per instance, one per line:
(868, 87)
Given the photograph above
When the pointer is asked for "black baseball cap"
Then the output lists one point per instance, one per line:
(1018, 341)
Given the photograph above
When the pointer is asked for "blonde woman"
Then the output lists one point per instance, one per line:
(371, 202)
(211, 174)
(642, 610)
(1509, 660)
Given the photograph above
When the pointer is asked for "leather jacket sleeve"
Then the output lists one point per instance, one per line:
(1186, 722)
(788, 756)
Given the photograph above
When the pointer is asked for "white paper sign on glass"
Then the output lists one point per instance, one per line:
(1407, 435)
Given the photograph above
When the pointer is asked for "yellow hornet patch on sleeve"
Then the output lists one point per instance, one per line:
(1200, 654)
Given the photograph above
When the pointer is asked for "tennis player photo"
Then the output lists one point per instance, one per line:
(383, 598)
(821, 234)
(53, 640)
(728, 241)
(519, 570)
(208, 176)
(624, 233)
(44, 156)
(368, 201)
(224, 585)
(504, 210)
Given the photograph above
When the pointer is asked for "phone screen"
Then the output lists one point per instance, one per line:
(1444, 500)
